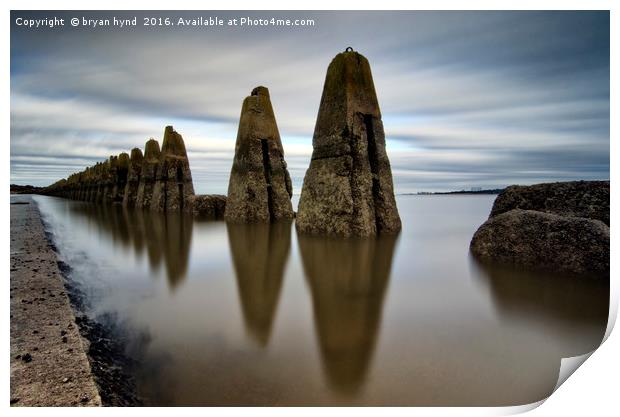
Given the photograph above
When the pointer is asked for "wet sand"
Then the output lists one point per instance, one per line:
(49, 366)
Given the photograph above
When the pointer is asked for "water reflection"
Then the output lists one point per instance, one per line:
(259, 253)
(450, 334)
(558, 305)
(166, 237)
(347, 279)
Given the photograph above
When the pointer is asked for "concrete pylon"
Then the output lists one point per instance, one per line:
(348, 189)
(109, 179)
(259, 189)
(120, 178)
(149, 173)
(173, 182)
(133, 178)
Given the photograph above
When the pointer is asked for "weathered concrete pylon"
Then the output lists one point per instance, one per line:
(108, 178)
(348, 188)
(120, 178)
(259, 189)
(159, 180)
(133, 177)
(86, 178)
(91, 187)
(173, 182)
(149, 172)
(95, 183)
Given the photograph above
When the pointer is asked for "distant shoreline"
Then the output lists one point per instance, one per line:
(483, 192)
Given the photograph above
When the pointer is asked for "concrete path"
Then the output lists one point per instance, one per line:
(49, 366)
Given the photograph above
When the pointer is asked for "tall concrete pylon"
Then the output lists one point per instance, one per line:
(259, 189)
(173, 182)
(348, 189)
(150, 163)
(133, 177)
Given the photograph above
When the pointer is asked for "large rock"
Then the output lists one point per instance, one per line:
(589, 199)
(348, 188)
(207, 207)
(173, 182)
(543, 241)
(149, 173)
(259, 189)
(133, 177)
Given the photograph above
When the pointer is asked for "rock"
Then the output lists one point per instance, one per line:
(134, 172)
(560, 227)
(207, 207)
(173, 182)
(26, 357)
(589, 199)
(148, 173)
(259, 189)
(543, 241)
(348, 188)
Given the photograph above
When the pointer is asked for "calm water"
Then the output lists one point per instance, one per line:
(256, 315)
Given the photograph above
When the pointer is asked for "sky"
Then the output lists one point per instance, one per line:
(468, 99)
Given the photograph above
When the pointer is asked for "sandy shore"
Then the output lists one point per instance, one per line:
(49, 366)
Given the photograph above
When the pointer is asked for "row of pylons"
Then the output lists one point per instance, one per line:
(347, 190)
(159, 179)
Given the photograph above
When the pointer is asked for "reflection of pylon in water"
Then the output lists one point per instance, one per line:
(348, 279)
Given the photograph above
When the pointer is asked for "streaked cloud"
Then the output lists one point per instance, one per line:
(468, 98)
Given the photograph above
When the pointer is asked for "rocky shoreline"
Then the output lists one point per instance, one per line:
(98, 369)
(110, 366)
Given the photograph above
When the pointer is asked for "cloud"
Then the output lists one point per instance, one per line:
(468, 98)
